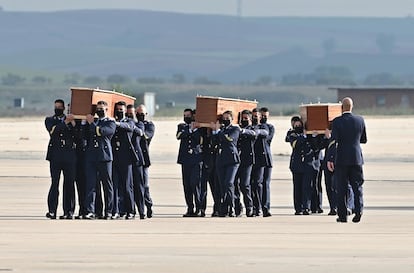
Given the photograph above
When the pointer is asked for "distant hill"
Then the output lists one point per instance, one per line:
(143, 43)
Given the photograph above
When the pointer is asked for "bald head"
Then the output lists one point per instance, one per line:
(347, 104)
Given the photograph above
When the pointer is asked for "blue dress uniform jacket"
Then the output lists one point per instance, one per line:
(149, 130)
(62, 143)
(99, 140)
(191, 142)
(61, 153)
(262, 145)
(246, 145)
(227, 139)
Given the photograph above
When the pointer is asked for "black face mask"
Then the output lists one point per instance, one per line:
(263, 120)
(141, 117)
(244, 123)
(119, 115)
(130, 115)
(255, 121)
(299, 129)
(188, 120)
(58, 112)
(100, 113)
(226, 122)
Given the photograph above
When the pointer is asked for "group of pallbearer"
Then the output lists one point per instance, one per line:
(234, 159)
(103, 154)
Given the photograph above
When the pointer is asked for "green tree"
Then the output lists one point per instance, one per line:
(12, 79)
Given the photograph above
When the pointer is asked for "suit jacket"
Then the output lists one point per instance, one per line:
(191, 141)
(98, 136)
(348, 131)
(263, 156)
(62, 143)
(226, 139)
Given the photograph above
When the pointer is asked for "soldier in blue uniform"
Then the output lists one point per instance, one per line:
(138, 175)
(301, 168)
(267, 172)
(190, 157)
(246, 149)
(145, 141)
(98, 159)
(61, 154)
(124, 156)
(227, 161)
(262, 160)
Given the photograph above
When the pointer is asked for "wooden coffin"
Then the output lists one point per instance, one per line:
(209, 109)
(318, 117)
(84, 100)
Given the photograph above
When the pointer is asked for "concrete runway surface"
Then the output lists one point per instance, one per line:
(382, 242)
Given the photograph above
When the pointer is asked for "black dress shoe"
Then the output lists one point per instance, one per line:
(249, 213)
(202, 213)
(190, 214)
(319, 211)
(115, 216)
(89, 216)
(51, 215)
(149, 212)
(129, 216)
(305, 212)
(357, 217)
(341, 220)
(332, 212)
(66, 217)
(142, 216)
(298, 213)
(215, 214)
(267, 213)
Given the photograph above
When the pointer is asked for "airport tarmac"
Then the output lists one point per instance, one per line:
(382, 242)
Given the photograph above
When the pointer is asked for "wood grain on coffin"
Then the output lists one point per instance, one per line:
(318, 117)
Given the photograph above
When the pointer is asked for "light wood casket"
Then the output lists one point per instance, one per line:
(84, 100)
(318, 117)
(209, 109)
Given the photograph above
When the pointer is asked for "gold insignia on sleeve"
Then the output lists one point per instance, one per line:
(331, 143)
(228, 138)
(294, 144)
(52, 130)
(179, 134)
(98, 133)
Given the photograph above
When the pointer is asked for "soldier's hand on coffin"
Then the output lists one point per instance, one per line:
(89, 118)
(327, 133)
(314, 133)
(69, 118)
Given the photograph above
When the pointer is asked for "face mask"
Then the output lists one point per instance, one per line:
(188, 120)
(244, 123)
(58, 112)
(119, 115)
(299, 130)
(130, 115)
(100, 113)
(226, 122)
(254, 121)
(263, 120)
(141, 117)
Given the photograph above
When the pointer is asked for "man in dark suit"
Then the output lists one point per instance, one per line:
(190, 157)
(348, 131)
(226, 136)
(98, 159)
(61, 154)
